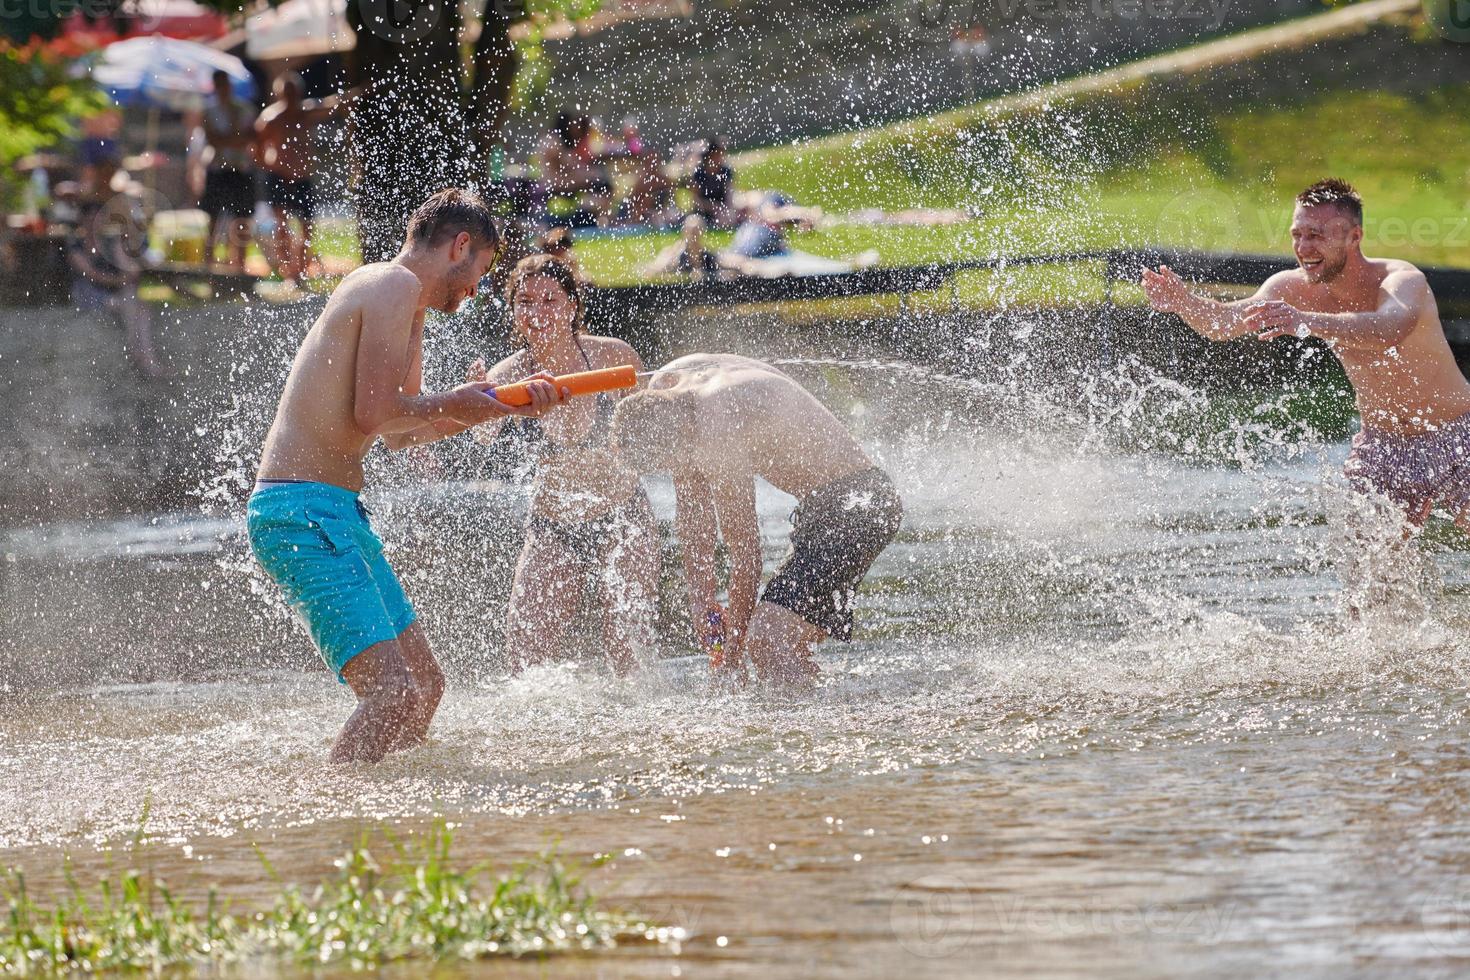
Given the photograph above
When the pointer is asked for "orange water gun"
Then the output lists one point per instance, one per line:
(581, 383)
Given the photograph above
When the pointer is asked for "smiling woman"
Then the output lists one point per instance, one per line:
(590, 516)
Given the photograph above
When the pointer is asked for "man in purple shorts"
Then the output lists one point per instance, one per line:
(1380, 319)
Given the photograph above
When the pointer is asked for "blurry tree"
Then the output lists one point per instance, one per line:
(40, 102)
(434, 82)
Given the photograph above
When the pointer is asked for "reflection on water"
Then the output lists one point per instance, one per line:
(1103, 714)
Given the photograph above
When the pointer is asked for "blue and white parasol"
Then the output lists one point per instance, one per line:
(167, 73)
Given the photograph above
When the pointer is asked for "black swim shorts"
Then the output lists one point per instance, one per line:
(837, 532)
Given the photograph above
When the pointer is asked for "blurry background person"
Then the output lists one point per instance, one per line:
(288, 158)
(713, 184)
(688, 256)
(102, 255)
(571, 168)
(229, 178)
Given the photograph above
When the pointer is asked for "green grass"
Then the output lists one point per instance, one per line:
(1166, 161)
(1234, 194)
(1162, 162)
(414, 904)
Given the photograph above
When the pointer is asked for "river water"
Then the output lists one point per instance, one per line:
(1104, 714)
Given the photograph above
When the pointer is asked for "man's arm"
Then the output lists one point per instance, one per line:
(387, 350)
(1209, 318)
(1403, 298)
(82, 265)
(740, 530)
(694, 519)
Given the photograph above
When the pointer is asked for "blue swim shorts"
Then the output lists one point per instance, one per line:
(314, 539)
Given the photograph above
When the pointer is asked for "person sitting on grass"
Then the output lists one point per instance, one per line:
(717, 422)
(688, 256)
(713, 186)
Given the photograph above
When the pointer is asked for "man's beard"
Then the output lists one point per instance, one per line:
(1330, 271)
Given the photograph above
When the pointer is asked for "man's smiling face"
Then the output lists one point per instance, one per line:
(1323, 237)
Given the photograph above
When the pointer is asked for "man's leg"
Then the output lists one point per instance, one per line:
(630, 590)
(428, 687)
(138, 327)
(239, 241)
(216, 219)
(779, 644)
(386, 703)
(308, 236)
(285, 244)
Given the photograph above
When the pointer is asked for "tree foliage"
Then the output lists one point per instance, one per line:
(40, 102)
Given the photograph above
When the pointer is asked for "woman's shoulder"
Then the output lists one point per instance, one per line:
(516, 364)
(609, 351)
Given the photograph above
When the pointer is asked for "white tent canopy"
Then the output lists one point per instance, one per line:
(299, 29)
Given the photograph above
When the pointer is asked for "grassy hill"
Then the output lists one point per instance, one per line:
(1205, 148)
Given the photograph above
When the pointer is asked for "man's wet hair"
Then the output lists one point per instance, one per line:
(1338, 193)
(450, 212)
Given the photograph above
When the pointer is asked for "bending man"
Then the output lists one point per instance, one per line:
(718, 421)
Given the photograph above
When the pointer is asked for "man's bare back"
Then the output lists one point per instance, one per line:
(717, 421)
(754, 419)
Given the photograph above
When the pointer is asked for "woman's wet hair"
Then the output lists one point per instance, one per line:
(554, 269)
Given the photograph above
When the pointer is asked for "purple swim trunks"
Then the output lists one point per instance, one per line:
(1414, 471)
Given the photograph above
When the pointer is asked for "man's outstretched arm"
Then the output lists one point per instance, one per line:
(1211, 319)
(1403, 298)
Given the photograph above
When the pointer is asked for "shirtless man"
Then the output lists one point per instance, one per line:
(286, 154)
(717, 421)
(1379, 317)
(356, 379)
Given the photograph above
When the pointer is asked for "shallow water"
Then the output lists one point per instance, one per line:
(1104, 715)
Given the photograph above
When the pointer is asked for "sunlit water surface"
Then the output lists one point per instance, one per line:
(1104, 714)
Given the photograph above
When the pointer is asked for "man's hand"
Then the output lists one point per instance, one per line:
(471, 403)
(476, 371)
(1272, 318)
(1166, 292)
(709, 627)
(544, 393)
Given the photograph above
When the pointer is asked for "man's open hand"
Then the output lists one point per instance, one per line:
(1166, 292)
